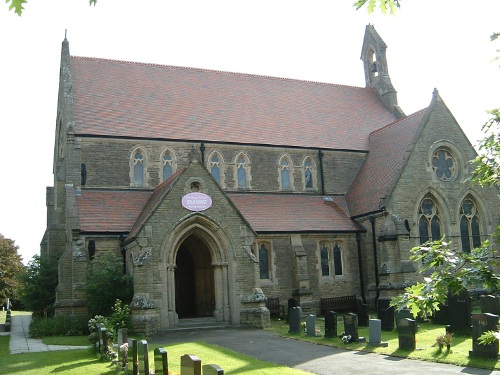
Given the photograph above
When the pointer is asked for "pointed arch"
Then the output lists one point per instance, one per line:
(429, 219)
(216, 167)
(169, 164)
(309, 174)
(138, 167)
(470, 224)
(242, 170)
(285, 170)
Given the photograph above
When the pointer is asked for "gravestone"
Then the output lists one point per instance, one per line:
(482, 323)
(292, 302)
(294, 320)
(375, 338)
(459, 312)
(105, 341)
(190, 365)
(212, 370)
(385, 312)
(98, 344)
(351, 327)
(161, 361)
(330, 324)
(122, 336)
(406, 334)
(311, 325)
(403, 314)
(490, 304)
(362, 312)
(133, 362)
(144, 356)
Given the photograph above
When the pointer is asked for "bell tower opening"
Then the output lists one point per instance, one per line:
(194, 279)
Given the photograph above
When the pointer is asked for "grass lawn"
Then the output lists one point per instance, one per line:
(427, 349)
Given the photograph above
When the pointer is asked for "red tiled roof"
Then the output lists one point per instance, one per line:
(118, 98)
(294, 213)
(110, 211)
(121, 211)
(390, 148)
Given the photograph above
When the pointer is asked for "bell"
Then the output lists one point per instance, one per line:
(374, 67)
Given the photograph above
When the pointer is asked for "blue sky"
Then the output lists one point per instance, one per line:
(431, 44)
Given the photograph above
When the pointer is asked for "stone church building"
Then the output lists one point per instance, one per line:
(219, 189)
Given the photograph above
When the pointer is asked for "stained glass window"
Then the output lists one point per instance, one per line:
(325, 261)
(444, 165)
(308, 174)
(285, 175)
(429, 224)
(469, 226)
(242, 174)
(337, 259)
(215, 168)
(167, 166)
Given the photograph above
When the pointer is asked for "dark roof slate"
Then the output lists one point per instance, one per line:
(127, 99)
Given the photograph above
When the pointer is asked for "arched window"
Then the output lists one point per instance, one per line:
(138, 167)
(337, 259)
(325, 260)
(215, 167)
(444, 165)
(429, 223)
(469, 225)
(242, 171)
(309, 174)
(264, 261)
(285, 171)
(168, 165)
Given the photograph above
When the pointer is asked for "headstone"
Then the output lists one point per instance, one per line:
(385, 312)
(105, 341)
(407, 330)
(122, 336)
(351, 327)
(212, 370)
(490, 304)
(403, 314)
(144, 356)
(190, 365)
(482, 323)
(133, 363)
(459, 312)
(292, 302)
(98, 344)
(161, 361)
(363, 316)
(375, 338)
(330, 324)
(311, 325)
(294, 320)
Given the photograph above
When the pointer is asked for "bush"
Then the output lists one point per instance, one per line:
(62, 325)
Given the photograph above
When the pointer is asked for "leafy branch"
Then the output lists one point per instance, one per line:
(18, 5)
(384, 5)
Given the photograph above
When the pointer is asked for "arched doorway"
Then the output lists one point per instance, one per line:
(194, 279)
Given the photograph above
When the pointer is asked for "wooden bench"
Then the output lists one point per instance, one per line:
(339, 304)
(274, 307)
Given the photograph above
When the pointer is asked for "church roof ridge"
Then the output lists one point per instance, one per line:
(396, 122)
(220, 71)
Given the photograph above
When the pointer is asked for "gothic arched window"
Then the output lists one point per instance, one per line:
(325, 260)
(285, 171)
(469, 225)
(331, 259)
(215, 167)
(242, 171)
(168, 165)
(138, 167)
(337, 259)
(308, 174)
(429, 223)
(264, 261)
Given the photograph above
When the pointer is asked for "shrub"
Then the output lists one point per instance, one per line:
(62, 325)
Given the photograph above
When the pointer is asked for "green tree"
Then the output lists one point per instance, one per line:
(11, 266)
(106, 283)
(384, 5)
(39, 282)
(18, 5)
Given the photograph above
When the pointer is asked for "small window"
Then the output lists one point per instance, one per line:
(325, 260)
(429, 223)
(168, 165)
(309, 174)
(285, 172)
(215, 167)
(264, 262)
(138, 168)
(241, 172)
(469, 226)
(91, 249)
(331, 259)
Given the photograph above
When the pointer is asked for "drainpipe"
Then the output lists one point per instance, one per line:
(322, 178)
(375, 261)
(202, 150)
(360, 266)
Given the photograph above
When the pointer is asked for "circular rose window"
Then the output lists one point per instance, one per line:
(444, 165)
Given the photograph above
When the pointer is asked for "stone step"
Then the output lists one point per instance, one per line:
(201, 323)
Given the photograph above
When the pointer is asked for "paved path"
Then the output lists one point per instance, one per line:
(20, 342)
(318, 359)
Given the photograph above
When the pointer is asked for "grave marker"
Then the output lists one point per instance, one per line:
(294, 320)
(482, 323)
(212, 370)
(190, 365)
(311, 325)
(351, 327)
(330, 324)
(161, 361)
(144, 355)
(385, 312)
(490, 304)
(406, 334)
(376, 333)
(133, 363)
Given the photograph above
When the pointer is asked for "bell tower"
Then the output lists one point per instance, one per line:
(376, 71)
